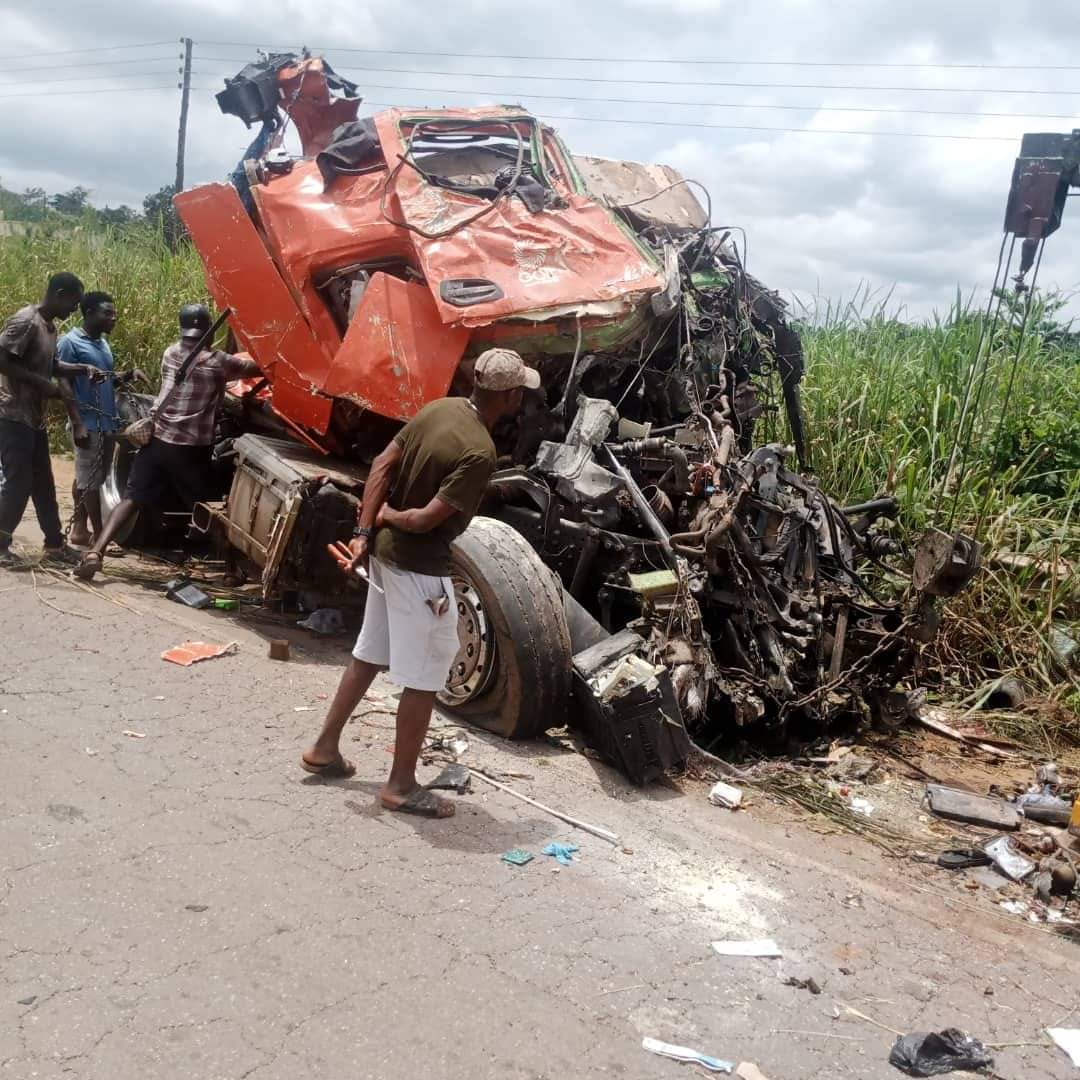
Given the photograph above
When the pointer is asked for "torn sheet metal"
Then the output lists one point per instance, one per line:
(655, 195)
(397, 355)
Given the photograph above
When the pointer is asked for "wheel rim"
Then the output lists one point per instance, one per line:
(474, 666)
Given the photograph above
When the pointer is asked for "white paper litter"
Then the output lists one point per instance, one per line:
(861, 806)
(1069, 1041)
(725, 795)
(684, 1053)
(760, 947)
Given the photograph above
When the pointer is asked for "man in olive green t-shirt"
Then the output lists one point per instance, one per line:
(422, 492)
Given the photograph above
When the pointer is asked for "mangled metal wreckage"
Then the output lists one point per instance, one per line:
(638, 552)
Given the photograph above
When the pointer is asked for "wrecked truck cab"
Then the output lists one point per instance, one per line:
(632, 504)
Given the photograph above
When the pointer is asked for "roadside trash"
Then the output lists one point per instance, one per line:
(933, 1053)
(596, 830)
(27, 1000)
(326, 621)
(454, 777)
(759, 947)
(183, 592)
(1069, 1041)
(134, 734)
(303, 708)
(683, 1053)
(1074, 821)
(224, 604)
(803, 984)
(192, 652)
(197, 908)
(563, 853)
(963, 858)
(1048, 809)
(747, 1070)
(861, 806)
(957, 805)
(517, 857)
(1007, 859)
(725, 795)
(279, 649)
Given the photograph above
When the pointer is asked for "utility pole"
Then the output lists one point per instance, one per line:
(185, 94)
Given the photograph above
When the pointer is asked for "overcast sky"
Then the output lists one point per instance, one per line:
(825, 214)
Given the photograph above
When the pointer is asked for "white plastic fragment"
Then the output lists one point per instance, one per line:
(1069, 1041)
(725, 795)
(683, 1053)
(758, 947)
(861, 806)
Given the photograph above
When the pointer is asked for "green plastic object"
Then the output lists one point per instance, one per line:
(654, 583)
(517, 857)
(226, 605)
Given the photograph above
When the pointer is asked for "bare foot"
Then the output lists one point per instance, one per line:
(419, 801)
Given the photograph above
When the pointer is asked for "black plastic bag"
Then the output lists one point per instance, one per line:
(933, 1053)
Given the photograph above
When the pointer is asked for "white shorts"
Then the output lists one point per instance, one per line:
(402, 633)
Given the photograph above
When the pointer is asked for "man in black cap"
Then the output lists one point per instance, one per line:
(177, 458)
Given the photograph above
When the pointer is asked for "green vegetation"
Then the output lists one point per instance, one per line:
(882, 399)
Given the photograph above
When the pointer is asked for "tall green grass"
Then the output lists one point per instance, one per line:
(148, 280)
(882, 399)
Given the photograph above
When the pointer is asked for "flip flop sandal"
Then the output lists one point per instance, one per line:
(424, 804)
(90, 565)
(338, 769)
(963, 858)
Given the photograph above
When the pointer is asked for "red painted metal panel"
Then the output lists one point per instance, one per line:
(241, 275)
(397, 354)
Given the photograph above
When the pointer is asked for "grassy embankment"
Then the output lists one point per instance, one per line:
(882, 400)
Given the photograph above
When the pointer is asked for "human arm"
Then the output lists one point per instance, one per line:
(67, 370)
(419, 520)
(373, 509)
(13, 368)
(237, 367)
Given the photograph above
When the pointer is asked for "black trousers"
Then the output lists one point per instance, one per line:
(25, 474)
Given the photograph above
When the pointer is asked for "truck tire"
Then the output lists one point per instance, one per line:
(511, 675)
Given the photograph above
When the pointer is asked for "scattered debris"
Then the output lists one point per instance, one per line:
(517, 857)
(1007, 859)
(958, 805)
(963, 858)
(596, 830)
(28, 1000)
(861, 806)
(192, 652)
(683, 1053)
(934, 720)
(182, 591)
(223, 603)
(324, 621)
(563, 853)
(760, 947)
(803, 984)
(933, 1053)
(1045, 808)
(134, 734)
(197, 907)
(749, 1071)
(456, 777)
(1069, 1041)
(279, 649)
(303, 708)
(725, 795)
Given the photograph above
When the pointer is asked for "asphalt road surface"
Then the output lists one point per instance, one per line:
(189, 904)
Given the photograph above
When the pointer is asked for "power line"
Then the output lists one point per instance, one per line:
(96, 63)
(724, 104)
(658, 60)
(82, 93)
(700, 82)
(158, 73)
(745, 127)
(94, 49)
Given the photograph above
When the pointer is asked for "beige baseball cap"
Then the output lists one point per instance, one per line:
(503, 369)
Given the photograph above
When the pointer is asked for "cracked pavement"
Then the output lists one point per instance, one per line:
(191, 904)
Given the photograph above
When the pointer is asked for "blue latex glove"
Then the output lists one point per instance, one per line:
(562, 852)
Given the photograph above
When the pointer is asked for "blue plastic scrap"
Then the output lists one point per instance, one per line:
(517, 857)
(562, 852)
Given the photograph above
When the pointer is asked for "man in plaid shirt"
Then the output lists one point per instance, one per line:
(177, 459)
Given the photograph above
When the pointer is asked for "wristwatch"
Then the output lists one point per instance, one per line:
(363, 531)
